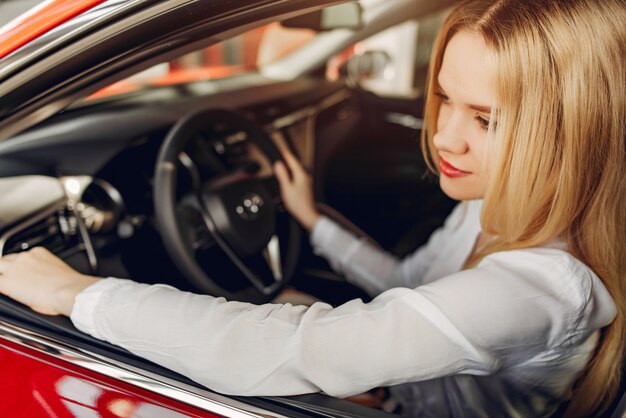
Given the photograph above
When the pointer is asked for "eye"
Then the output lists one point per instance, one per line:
(443, 97)
(483, 122)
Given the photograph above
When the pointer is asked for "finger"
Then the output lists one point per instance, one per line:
(294, 164)
(5, 260)
(44, 311)
(8, 257)
(4, 265)
(43, 255)
(286, 153)
(39, 252)
(280, 171)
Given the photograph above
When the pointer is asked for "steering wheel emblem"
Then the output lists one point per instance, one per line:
(250, 207)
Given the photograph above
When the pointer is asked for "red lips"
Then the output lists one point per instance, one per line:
(449, 170)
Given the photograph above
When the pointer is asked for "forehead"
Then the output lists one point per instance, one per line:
(466, 74)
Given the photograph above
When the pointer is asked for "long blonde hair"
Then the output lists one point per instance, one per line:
(559, 146)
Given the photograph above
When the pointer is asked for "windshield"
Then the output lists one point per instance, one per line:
(244, 53)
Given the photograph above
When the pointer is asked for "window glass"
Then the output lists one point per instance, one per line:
(237, 55)
(391, 63)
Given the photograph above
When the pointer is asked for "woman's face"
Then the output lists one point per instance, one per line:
(467, 92)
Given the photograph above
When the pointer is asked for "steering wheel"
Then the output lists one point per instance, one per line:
(237, 211)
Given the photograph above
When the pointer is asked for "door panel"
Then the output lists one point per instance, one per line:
(375, 173)
(378, 179)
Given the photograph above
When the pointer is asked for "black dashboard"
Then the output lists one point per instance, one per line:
(83, 140)
(100, 157)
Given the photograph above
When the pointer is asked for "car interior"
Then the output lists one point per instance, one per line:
(136, 180)
(101, 214)
(85, 182)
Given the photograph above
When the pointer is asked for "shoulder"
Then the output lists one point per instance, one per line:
(545, 271)
(551, 269)
(538, 297)
(572, 294)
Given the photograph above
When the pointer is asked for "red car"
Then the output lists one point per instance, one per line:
(125, 126)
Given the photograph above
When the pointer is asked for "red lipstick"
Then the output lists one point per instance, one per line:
(449, 170)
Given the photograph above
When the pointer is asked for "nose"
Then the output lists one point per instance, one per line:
(451, 131)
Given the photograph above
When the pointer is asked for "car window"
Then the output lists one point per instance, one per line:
(12, 9)
(392, 63)
(237, 55)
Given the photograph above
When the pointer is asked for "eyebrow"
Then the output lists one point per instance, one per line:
(483, 109)
(479, 108)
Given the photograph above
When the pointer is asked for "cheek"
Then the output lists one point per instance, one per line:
(481, 153)
(443, 116)
(484, 165)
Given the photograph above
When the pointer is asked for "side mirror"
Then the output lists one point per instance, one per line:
(370, 65)
(340, 16)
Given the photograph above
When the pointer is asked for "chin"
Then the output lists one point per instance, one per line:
(462, 188)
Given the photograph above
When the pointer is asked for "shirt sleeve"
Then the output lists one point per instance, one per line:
(370, 267)
(473, 321)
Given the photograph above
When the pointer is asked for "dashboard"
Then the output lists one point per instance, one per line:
(38, 212)
(81, 183)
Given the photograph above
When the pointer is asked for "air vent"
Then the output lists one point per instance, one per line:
(57, 231)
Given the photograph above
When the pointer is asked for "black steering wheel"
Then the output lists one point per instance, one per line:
(232, 210)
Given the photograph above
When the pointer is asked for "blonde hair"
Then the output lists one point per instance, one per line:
(559, 146)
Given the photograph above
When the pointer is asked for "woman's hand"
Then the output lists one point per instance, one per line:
(42, 281)
(297, 190)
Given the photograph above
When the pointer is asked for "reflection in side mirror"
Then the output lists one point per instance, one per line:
(370, 65)
(341, 16)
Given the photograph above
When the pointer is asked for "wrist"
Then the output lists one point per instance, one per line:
(66, 296)
(309, 220)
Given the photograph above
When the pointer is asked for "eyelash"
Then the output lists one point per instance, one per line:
(443, 97)
(483, 122)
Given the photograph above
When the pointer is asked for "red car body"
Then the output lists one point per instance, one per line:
(40, 20)
(34, 384)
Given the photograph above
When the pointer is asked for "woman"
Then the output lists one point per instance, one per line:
(518, 300)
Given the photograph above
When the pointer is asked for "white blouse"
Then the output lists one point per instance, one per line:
(508, 336)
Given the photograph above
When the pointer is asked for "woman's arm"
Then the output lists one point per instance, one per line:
(361, 262)
(513, 306)
(503, 313)
(368, 266)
